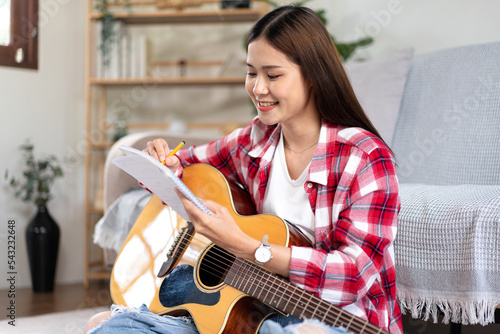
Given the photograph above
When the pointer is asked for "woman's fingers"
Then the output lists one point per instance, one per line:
(158, 149)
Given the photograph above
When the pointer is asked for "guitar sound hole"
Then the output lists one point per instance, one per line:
(214, 266)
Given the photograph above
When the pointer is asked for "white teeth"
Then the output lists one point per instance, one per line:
(262, 104)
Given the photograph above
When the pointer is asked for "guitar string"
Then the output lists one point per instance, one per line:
(276, 281)
(344, 319)
(207, 255)
(296, 290)
(364, 326)
(293, 292)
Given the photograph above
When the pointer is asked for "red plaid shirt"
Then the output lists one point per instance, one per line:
(353, 192)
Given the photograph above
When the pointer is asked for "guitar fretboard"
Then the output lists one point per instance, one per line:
(279, 293)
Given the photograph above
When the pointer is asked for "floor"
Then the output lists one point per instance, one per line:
(63, 298)
(75, 296)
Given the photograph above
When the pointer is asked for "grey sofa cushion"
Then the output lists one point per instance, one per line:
(448, 128)
(379, 85)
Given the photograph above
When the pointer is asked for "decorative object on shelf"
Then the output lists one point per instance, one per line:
(42, 233)
(182, 67)
(235, 4)
(345, 50)
(181, 4)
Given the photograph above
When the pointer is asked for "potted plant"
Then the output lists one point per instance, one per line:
(42, 233)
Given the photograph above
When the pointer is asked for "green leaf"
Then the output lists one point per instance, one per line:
(300, 3)
(29, 186)
(346, 50)
(41, 201)
(43, 188)
(58, 172)
(27, 146)
(27, 197)
(30, 174)
(42, 165)
(322, 16)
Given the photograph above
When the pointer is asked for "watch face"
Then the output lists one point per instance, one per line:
(263, 254)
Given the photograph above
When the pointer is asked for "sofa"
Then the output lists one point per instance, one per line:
(440, 113)
(447, 144)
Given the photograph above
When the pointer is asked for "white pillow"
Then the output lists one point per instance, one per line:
(379, 86)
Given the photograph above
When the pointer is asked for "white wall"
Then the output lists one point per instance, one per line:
(47, 106)
(426, 25)
(51, 113)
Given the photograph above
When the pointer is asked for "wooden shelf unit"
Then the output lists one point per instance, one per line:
(168, 81)
(188, 16)
(95, 95)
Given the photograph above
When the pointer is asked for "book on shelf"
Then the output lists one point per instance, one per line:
(126, 56)
(139, 57)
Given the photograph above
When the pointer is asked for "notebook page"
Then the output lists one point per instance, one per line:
(157, 178)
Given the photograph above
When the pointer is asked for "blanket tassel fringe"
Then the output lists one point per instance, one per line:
(463, 312)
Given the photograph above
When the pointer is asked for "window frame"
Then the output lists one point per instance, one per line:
(24, 33)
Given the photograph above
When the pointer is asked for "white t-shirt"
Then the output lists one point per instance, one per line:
(286, 198)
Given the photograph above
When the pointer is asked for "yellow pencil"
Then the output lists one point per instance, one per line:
(177, 148)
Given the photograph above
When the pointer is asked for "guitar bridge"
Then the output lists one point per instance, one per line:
(177, 249)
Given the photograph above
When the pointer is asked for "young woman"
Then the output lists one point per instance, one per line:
(311, 157)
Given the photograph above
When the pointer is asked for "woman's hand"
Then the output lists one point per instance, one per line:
(159, 150)
(220, 228)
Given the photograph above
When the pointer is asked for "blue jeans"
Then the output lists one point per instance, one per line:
(142, 320)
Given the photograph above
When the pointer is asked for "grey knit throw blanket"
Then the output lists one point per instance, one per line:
(448, 252)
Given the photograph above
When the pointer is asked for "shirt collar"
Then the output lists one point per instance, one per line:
(266, 143)
(322, 159)
(320, 164)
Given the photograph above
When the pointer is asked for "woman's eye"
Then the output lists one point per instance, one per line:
(251, 74)
(272, 77)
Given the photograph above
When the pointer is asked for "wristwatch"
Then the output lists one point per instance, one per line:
(263, 254)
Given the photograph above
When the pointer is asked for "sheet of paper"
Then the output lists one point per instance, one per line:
(157, 178)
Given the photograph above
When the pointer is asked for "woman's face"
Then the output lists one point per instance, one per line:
(276, 86)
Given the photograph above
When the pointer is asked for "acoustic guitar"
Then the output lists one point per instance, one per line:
(174, 271)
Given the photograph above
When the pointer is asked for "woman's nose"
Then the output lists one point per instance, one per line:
(260, 87)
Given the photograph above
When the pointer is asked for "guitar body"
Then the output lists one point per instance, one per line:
(192, 284)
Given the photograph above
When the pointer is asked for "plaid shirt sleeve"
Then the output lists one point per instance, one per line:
(356, 214)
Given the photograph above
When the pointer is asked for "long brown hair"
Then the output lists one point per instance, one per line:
(302, 37)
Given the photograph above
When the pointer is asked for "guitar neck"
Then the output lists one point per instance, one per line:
(280, 294)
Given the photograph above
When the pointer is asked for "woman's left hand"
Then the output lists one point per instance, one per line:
(220, 228)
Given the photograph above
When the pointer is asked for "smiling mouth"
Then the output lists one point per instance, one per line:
(267, 104)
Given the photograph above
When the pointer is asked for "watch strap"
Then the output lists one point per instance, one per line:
(265, 241)
(264, 244)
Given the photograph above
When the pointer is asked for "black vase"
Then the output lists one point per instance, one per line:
(42, 239)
